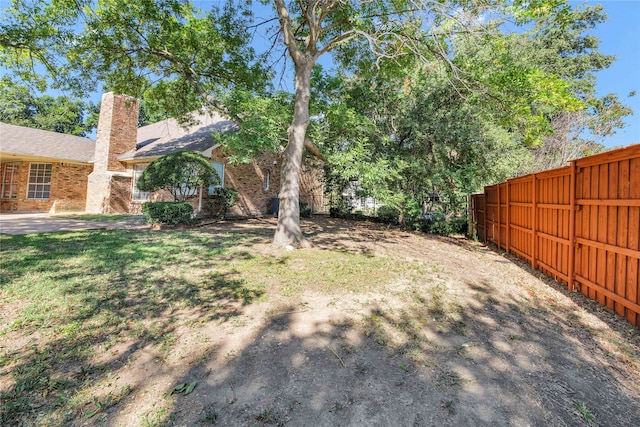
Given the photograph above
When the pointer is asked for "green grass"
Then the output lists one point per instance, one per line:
(89, 290)
(79, 294)
(98, 217)
(584, 412)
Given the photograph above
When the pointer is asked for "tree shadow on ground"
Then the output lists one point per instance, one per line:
(429, 353)
(593, 307)
(364, 237)
(103, 298)
(430, 362)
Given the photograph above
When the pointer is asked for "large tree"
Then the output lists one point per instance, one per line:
(369, 32)
(403, 133)
(168, 51)
(20, 106)
(561, 43)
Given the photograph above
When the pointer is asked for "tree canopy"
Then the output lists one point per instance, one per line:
(19, 106)
(425, 94)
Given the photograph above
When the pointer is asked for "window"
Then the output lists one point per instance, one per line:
(219, 167)
(10, 181)
(265, 184)
(39, 181)
(137, 195)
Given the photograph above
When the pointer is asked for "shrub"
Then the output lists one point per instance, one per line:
(388, 215)
(437, 223)
(181, 173)
(459, 225)
(174, 213)
(335, 212)
(305, 209)
(222, 200)
(338, 206)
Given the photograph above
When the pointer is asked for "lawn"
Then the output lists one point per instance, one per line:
(99, 217)
(371, 326)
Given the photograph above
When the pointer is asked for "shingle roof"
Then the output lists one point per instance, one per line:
(25, 141)
(168, 136)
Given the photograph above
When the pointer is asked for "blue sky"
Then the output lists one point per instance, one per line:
(620, 36)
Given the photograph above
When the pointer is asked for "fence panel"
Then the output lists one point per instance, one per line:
(578, 224)
(476, 216)
(491, 222)
(552, 227)
(607, 255)
(521, 217)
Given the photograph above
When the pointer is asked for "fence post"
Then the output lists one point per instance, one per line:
(534, 225)
(484, 201)
(572, 226)
(508, 217)
(498, 241)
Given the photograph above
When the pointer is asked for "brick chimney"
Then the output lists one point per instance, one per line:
(117, 133)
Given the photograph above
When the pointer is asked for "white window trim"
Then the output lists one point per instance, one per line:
(137, 195)
(13, 184)
(42, 184)
(212, 188)
(265, 182)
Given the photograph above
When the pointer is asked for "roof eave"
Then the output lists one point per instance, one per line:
(14, 157)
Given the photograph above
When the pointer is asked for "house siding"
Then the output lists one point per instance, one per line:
(68, 189)
(248, 179)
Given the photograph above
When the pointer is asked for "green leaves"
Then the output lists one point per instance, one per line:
(263, 123)
(146, 48)
(19, 106)
(184, 388)
(181, 173)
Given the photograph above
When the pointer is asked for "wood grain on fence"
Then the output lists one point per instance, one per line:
(578, 224)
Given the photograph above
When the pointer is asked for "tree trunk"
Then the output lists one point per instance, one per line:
(288, 231)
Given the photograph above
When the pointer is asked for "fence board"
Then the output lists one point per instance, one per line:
(577, 224)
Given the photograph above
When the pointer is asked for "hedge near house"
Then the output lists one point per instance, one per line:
(181, 173)
(174, 213)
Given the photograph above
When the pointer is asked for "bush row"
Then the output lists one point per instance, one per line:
(436, 223)
(173, 213)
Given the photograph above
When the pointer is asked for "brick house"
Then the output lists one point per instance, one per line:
(51, 172)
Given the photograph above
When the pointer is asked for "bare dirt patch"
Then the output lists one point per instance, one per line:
(469, 337)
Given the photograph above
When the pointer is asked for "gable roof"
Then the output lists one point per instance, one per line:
(168, 136)
(23, 141)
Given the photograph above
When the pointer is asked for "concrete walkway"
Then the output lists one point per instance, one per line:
(30, 223)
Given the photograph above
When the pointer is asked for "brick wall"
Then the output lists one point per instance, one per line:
(120, 198)
(68, 189)
(248, 179)
(117, 133)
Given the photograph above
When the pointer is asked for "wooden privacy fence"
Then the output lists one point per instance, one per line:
(579, 224)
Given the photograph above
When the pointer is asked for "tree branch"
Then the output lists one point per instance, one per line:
(313, 149)
(287, 31)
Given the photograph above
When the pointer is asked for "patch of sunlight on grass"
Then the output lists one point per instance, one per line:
(82, 290)
(322, 271)
(86, 290)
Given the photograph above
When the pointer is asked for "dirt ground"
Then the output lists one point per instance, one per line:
(477, 339)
